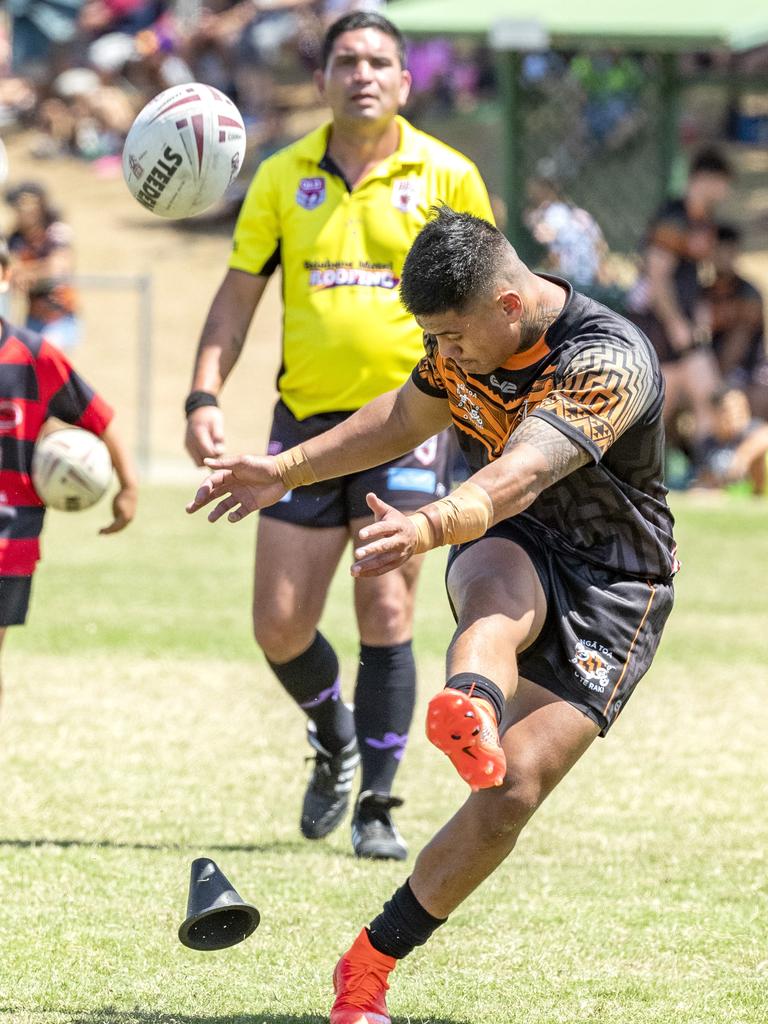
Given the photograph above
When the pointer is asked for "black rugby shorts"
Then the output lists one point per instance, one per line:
(14, 599)
(406, 483)
(601, 632)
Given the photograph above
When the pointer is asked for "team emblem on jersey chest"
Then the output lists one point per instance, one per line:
(11, 415)
(467, 402)
(311, 192)
(405, 194)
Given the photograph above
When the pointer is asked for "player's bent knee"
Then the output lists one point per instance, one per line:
(507, 809)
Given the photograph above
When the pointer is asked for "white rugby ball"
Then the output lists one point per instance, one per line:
(71, 469)
(183, 150)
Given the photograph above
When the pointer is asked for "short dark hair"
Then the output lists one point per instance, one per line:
(711, 161)
(729, 233)
(33, 188)
(453, 260)
(25, 188)
(362, 19)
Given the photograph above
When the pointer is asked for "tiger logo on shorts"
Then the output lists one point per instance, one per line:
(591, 666)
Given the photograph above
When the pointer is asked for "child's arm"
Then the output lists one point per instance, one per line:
(124, 502)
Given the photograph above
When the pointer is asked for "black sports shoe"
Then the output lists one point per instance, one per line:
(327, 795)
(373, 832)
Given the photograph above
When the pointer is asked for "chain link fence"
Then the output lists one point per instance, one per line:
(615, 131)
(593, 128)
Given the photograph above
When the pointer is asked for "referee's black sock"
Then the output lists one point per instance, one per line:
(312, 679)
(402, 925)
(479, 686)
(384, 698)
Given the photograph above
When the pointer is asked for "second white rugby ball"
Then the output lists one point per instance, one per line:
(183, 150)
(71, 469)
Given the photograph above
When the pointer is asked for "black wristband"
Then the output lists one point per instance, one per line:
(199, 399)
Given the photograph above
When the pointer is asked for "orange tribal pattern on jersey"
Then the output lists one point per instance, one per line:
(479, 410)
(594, 377)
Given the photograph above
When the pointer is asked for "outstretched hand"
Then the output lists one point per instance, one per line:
(243, 483)
(387, 543)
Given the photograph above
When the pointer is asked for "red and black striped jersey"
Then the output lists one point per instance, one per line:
(36, 382)
(595, 377)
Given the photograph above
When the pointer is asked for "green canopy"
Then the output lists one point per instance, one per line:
(659, 26)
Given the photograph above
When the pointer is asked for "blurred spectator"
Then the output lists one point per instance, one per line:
(738, 323)
(737, 447)
(84, 74)
(669, 300)
(18, 98)
(575, 245)
(43, 265)
(39, 28)
(611, 84)
(449, 75)
(4, 293)
(88, 114)
(429, 62)
(98, 17)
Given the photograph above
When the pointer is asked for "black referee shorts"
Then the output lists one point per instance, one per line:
(406, 483)
(601, 632)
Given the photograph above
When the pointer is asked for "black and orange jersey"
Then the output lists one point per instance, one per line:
(595, 377)
(49, 299)
(691, 242)
(737, 306)
(36, 382)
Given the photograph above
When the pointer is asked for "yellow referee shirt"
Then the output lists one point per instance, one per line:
(346, 337)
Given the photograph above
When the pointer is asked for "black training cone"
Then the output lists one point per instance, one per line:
(216, 916)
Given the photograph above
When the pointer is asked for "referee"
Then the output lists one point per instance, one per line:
(337, 211)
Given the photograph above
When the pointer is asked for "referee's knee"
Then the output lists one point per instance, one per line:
(282, 637)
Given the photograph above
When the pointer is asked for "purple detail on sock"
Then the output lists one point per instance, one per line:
(390, 741)
(332, 693)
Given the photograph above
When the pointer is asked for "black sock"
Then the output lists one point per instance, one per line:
(312, 679)
(479, 686)
(384, 698)
(402, 925)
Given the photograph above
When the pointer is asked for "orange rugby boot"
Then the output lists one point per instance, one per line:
(360, 984)
(465, 729)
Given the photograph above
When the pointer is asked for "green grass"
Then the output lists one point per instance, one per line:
(140, 730)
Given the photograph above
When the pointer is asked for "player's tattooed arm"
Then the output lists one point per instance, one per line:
(537, 455)
(560, 455)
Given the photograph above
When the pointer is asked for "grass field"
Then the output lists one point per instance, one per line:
(140, 730)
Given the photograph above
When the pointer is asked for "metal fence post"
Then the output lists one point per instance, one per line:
(141, 286)
(144, 376)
